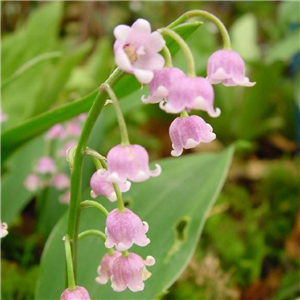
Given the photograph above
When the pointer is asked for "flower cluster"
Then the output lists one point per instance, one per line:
(137, 52)
(171, 88)
(47, 171)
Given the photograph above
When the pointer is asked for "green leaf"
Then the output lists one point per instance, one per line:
(244, 37)
(18, 135)
(175, 205)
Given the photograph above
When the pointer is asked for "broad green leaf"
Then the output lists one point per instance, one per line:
(38, 36)
(175, 205)
(18, 135)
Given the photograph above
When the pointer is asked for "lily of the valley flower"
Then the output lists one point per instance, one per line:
(80, 293)
(101, 186)
(123, 229)
(45, 165)
(131, 272)
(3, 229)
(162, 83)
(136, 50)
(105, 268)
(191, 93)
(228, 67)
(129, 163)
(188, 132)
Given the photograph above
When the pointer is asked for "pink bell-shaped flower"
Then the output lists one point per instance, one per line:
(80, 293)
(228, 67)
(105, 268)
(101, 186)
(136, 50)
(123, 229)
(161, 84)
(188, 132)
(56, 132)
(131, 272)
(3, 229)
(191, 93)
(129, 162)
(61, 181)
(33, 183)
(3, 116)
(45, 165)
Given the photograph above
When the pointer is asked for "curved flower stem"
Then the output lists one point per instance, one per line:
(91, 203)
(69, 261)
(185, 48)
(122, 124)
(120, 202)
(92, 232)
(209, 16)
(168, 58)
(76, 174)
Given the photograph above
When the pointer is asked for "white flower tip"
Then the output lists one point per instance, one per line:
(149, 261)
(93, 194)
(214, 113)
(157, 171)
(145, 100)
(112, 197)
(176, 153)
(127, 186)
(122, 247)
(101, 279)
(190, 143)
(146, 226)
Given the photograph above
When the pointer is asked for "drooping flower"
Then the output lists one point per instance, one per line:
(65, 197)
(131, 272)
(61, 181)
(228, 67)
(105, 268)
(80, 293)
(33, 183)
(191, 93)
(136, 50)
(3, 229)
(45, 165)
(129, 163)
(3, 116)
(188, 132)
(56, 132)
(101, 186)
(161, 84)
(123, 229)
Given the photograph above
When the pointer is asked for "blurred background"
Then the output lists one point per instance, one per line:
(250, 247)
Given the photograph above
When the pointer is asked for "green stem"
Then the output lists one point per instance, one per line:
(91, 203)
(168, 58)
(185, 48)
(76, 175)
(120, 202)
(209, 16)
(92, 232)
(122, 124)
(125, 253)
(69, 261)
(184, 114)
